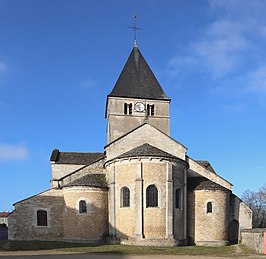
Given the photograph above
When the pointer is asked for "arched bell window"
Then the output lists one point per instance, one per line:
(127, 108)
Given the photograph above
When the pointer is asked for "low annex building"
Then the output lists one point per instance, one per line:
(4, 218)
(143, 189)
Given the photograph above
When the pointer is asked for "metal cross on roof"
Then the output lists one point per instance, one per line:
(135, 28)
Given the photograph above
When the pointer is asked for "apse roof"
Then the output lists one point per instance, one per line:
(146, 150)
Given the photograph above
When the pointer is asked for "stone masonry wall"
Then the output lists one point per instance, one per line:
(253, 238)
(125, 216)
(23, 221)
(60, 170)
(119, 124)
(91, 225)
(95, 168)
(191, 217)
(145, 134)
(211, 228)
(245, 216)
(179, 215)
(154, 173)
(153, 220)
(64, 220)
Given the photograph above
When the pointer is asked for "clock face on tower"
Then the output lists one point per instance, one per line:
(139, 107)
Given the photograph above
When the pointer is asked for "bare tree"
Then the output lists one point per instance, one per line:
(257, 202)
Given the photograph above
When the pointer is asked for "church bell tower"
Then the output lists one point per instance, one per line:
(136, 98)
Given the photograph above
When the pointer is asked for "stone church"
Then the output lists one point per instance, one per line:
(142, 190)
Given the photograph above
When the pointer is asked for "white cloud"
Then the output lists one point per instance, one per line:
(235, 108)
(3, 68)
(88, 83)
(262, 31)
(13, 152)
(179, 63)
(220, 48)
(230, 50)
(217, 52)
(256, 80)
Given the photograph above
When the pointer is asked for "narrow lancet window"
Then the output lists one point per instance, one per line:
(150, 109)
(209, 207)
(178, 199)
(127, 108)
(130, 108)
(82, 206)
(151, 196)
(125, 197)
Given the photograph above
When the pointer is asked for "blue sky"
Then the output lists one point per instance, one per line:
(60, 58)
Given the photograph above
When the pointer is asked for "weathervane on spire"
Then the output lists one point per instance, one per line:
(135, 28)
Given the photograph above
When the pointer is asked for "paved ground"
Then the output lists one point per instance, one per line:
(46, 255)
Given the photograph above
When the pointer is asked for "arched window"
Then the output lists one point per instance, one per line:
(209, 207)
(151, 196)
(178, 199)
(82, 206)
(41, 218)
(125, 197)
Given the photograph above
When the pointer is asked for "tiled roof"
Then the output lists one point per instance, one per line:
(137, 80)
(4, 214)
(206, 165)
(146, 150)
(201, 183)
(74, 157)
(209, 185)
(94, 180)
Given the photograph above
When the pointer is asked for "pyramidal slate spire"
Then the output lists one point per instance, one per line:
(137, 80)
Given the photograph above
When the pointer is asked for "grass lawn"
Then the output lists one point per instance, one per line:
(122, 249)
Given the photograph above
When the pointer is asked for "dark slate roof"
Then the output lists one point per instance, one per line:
(137, 80)
(94, 180)
(201, 183)
(75, 157)
(146, 150)
(209, 185)
(206, 165)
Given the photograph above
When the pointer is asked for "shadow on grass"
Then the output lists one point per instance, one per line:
(8, 245)
(119, 249)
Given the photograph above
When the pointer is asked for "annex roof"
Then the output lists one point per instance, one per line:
(93, 180)
(76, 158)
(206, 164)
(201, 183)
(137, 80)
